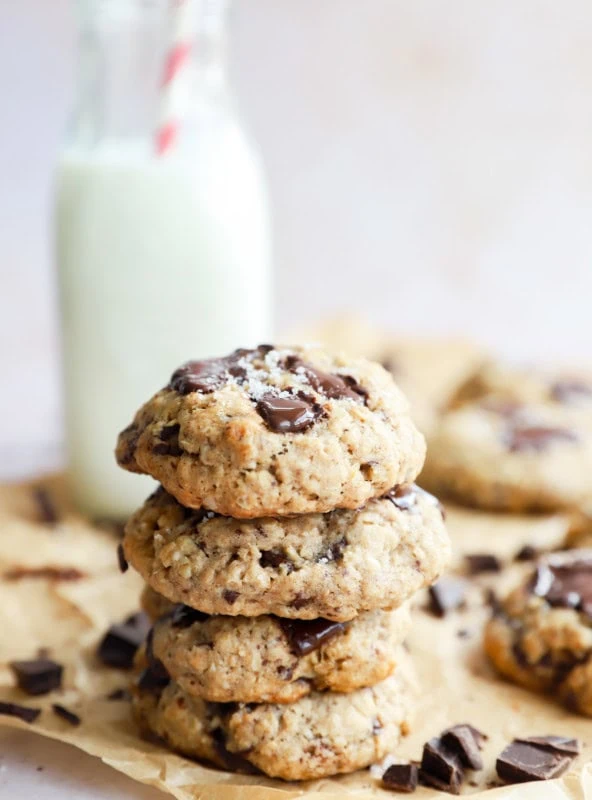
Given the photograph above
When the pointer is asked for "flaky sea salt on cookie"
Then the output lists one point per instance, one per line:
(275, 432)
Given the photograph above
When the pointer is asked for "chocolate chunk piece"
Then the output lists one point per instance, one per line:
(558, 744)
(482, 562)
(21, 712)
(123, 565)
(292, 414)
(169, 441)
(526, 553)
(446, 595)
(185, 616)
(401, 778)
(307, 635)
(536, 438)
(230, 596)
(38, 676)
(273, 558)
(234, 762)
(155, 676)
(333, 386)
(119, 645)
(520, 762)
(46, 509)
(571, 392)
(119, 694)
(406, 497)
(441, 767)
(200, 376)
(466, 742)
(66, 714)
(565, 584)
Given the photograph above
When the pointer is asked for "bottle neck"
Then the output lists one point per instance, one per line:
(142, 59)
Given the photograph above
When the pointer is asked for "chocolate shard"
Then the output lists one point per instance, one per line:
(482, 562)
(305, 636)
(46, 509)
(24, 713)
(564, 583)
(292, 414)
(67, 715)
(466, 741)
(441, 766)
(520, 762)
(123, 565)
(401, 778)
(526, 553)
(558, 744)
(446, 595)
(37, 676)
(184, 616)
(119, 645)
(230, 596)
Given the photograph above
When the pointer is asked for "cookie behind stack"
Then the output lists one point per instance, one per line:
(277, 643)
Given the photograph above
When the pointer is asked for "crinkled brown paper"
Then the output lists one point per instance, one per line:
(69, 617)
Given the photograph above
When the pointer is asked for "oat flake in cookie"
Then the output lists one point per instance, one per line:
(541, 635)
(333, 565)
(275, 432)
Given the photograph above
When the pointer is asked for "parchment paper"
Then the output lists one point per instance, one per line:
(69, 617)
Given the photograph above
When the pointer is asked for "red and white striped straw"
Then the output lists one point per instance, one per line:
(175, 84)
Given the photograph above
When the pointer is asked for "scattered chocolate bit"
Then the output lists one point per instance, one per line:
(289, 414)
(441, 767)
(184, 616)
(274, 558)
(307, 635)
(526, 553)
(235, 762)
(66, 714)
(525, 438)
(169, 441)
(466, 742)
(21, 712)
(446, 595)
(557, 744)
(119, 694)
(230, 596)
(126, 445)
(123, 565)
(570, 392)
(567, 585)
(37, 676)
(47, 511)
(520, 762)
(155, 676)
(406, 497)
(119, 645)
(335, 551)
(482, 562)
(300, 601)
(46, 573)
(401, 778)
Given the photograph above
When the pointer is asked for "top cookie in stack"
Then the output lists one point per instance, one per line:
(275, 432)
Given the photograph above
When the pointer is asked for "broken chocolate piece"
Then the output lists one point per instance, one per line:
(446, 595)
(565, 584)
(482, 562)
(230, 596)
(184, 616)
(123, 565)
(526, 553)
(401, 778)
(37, 676)
(273, 558)
(466, 742)
(520, 762)
(536, 438)
(46, 509)
(66, 714)
(558, 744)
(232, 761)
(289, 414)
(201, 376)
(20, 712)
(305, 636)
(441, 767)
(119, 645)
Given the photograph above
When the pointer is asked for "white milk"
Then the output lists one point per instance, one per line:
(160, 260)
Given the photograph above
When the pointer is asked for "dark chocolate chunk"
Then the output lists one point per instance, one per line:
(289, 414)
(200, 376)
(66, 714)
(331, 385)
(526, 553)
(406, 497)
(45, 573)
(482, 562)
(571, 392)
(565, 584)
(230, 596)
(21, 712)
(119, 645)
(401, 778)
(119, 694)
(447, 595)
(335, 551)
(130, 436)
(155, 676)
(123, 565)
(466, 742)
(557, 744)
(45, 506)
(524, 438)
(307, 635)
(300, 601)
(274, 558)
(169, 441)
(184, 616)
(520, 762)
(441, 767)
(38, 676)
(235, 762)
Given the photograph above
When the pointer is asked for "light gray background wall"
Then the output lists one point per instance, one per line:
(430, 163)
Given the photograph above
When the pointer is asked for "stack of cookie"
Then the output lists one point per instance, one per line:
(280, 554)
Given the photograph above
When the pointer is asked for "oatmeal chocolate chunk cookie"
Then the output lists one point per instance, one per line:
(541, 635)
(502, 455)
(268, 659)
(268, 431)
(319, 735)
(331, 565)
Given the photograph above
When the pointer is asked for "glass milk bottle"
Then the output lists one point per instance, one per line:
(162, 226)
